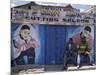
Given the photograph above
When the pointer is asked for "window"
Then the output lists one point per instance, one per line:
(87, 21)
(43, 18)
(91, 11)
(34, 18)
(56, 19)
(50, 19)
(29, 7)
(46, 19)
(64, 19)
(47, 8)
(38, 18)
(60, 9)
(94, 21)
(34, 13)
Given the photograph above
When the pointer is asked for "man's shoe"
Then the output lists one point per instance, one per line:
(64, 69)
(92, 64)
(78, 66)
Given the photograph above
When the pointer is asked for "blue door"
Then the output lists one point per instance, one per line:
(55, 40)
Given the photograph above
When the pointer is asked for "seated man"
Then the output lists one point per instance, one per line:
(69, 53)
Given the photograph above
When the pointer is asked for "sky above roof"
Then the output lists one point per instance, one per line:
(81, 6)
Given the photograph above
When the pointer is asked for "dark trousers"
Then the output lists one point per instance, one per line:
(71, 58)
(30, 53)
(84, 59)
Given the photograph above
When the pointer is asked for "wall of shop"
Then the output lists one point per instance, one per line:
(52, 39)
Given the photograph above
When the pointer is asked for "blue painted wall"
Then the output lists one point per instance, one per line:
(52, 40)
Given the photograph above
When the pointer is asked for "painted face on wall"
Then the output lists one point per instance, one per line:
(86, 33)
(25, 33)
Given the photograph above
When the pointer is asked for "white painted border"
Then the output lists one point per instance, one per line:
(5, 37)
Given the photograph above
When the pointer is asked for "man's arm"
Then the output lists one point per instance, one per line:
(16, 44)
(20, 47)
(32, 44)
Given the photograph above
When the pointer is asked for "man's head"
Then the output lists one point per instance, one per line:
(86, 32)
(70, 40)
(25, 32)
(83, 40)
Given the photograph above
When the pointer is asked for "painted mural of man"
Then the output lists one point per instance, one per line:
(83, 51)
(87, 33)
(24, 45)
(77, 38)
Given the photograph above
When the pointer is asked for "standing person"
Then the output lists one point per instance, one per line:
(69, 53)
(24, 45)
